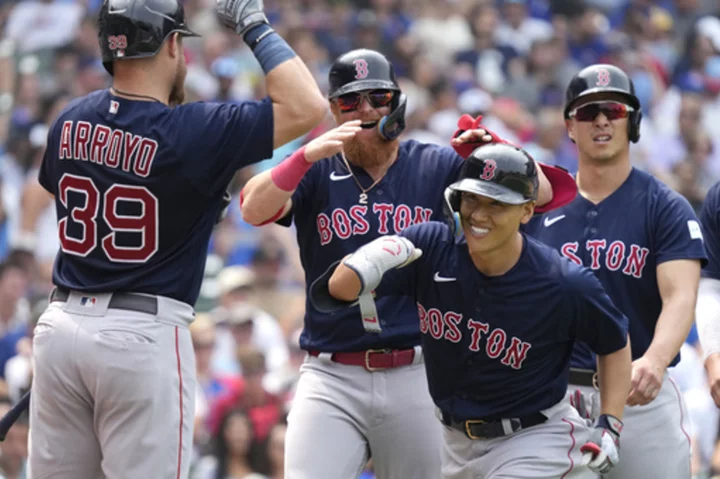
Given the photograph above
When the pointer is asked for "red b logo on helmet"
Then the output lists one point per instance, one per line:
(489, 170)
(361, 69)
(603, 77)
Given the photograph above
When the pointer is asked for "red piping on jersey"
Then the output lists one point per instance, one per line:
(180, 442)
(572, 446)
(272, 219)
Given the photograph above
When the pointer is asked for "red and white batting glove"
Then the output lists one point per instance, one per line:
(601, 452)
(465, 123)
(382, 254)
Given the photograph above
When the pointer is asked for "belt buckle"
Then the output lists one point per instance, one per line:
(595, 382)
(367, 359)
(469, 423)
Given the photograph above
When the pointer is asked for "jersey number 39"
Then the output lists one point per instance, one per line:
(86, 215)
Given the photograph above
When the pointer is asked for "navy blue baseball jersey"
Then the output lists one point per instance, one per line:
(622, 240)
(138, 187)
(331, 223)
(710, 222)
(499, 347)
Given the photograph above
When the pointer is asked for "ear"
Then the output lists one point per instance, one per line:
(568, 127)
(528, 212)
(174, 45)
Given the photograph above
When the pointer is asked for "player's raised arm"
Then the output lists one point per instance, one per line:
(298, 104)
(266, 197)
(556, 187)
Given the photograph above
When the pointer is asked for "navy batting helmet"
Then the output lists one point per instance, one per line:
(499, 171)
(365, 69)
(605, 78)
(138, 28)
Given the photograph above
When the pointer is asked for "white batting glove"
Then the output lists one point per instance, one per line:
(241, 15)
(601, 452)
(372, 260)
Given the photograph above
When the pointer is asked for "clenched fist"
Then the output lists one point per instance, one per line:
(241, 15)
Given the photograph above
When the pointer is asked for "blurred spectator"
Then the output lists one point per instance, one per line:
(14, 450)
(14, 311)
(276, 451)
(263, 408)
(234, 450)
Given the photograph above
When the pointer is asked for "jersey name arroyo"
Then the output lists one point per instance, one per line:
(631, 260)
(496, 343)
(353, 222)
(102, 145)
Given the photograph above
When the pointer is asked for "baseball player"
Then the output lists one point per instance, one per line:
(707, 312)
(138, 186)
(362, 390)
(644, 243)
(498, 314)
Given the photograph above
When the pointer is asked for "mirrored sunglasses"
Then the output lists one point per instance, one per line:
(376, 99)
(612, 111)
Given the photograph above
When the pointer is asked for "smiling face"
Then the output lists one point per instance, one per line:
(489, 225)
(603, 138)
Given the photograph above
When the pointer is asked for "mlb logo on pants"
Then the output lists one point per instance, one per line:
(88, 301)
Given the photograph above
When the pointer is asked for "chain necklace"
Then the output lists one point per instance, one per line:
(135, 95)
(363, 196)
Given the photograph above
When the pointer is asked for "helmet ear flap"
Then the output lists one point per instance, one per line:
(452, 208)
(634, 126)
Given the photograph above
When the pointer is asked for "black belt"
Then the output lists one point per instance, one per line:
(481, 429)
(584, 377)
(129, 301)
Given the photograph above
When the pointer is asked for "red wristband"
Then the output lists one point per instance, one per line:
(289, 172)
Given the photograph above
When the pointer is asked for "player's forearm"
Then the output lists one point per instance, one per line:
(344, 284)
(297, 100)
(262, 199)
(673, 326)
(707, 316)
(614, 374)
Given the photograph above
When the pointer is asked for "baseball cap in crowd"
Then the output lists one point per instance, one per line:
(234, 277)
(241, 313)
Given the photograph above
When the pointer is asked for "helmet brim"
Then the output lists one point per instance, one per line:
(361, 85)
(491, 190)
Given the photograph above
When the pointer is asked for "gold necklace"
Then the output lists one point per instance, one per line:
(363, 196)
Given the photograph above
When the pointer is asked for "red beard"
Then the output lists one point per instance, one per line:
(370, 154)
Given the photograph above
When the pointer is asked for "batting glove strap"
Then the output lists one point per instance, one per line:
(372, 260)
(601, 451)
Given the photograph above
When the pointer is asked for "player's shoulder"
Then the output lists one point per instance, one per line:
(656, 189)
(429, 232)
(547, 262)
(79, 104)
(712, 198)
(427, 152)
(219, 111)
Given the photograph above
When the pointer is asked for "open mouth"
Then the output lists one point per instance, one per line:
(478, 232)
(602, 138)
(367, 125)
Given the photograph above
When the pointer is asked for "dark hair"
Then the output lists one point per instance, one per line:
(221, 448)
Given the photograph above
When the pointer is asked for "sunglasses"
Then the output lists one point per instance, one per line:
(611, 110)
(376, 99)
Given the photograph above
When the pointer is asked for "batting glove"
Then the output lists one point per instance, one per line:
(241, 15)
(601, 452)
(467, 122)
(372, 260)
